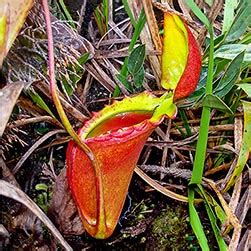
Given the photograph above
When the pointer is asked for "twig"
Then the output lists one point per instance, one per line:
(81, 16)
(152, 23)
(213, 128)
(159, 187)
(22, 122)
(170, 171)
(224, 166)
(41, 86)
(34, 147)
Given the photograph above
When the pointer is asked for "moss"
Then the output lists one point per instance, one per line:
(171, 231)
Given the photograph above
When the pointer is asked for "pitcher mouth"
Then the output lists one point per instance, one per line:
(119, 128)
(119, 116)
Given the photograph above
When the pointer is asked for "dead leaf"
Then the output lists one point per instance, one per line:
(62, 208)
(12, 16)
(8, 97)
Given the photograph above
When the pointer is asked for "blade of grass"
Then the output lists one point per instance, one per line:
(195, 222)
(129, 13)
(105, 5)
(67, 14)
(138, 28)
(140, 24)
(36, 98)
(201, 147)
(99, 21)
(205, 117)
(185, 121)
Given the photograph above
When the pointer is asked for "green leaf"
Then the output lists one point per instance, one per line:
(205, 117)
(139, 26)
(75, 73)
(124, 81)
(209, 2)
(139, 77)
(196, 223)
(221, 65)
(67, 86)
(83, 59)
(213, 101)
(136, 59)
(220, 213)
(230, 77)
(185, 122)
(217, 42)
(245, 147)
(230, 51)
(246, 87)
(41, 187)
(229, 8)
(77, 69)
(246, 39)
(213, 220)
(240, 24)
(37, 99)
(244, 4)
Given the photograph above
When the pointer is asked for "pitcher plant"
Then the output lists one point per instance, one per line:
(117, 134)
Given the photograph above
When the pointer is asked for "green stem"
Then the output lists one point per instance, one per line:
(201, 147)
(65, 121)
